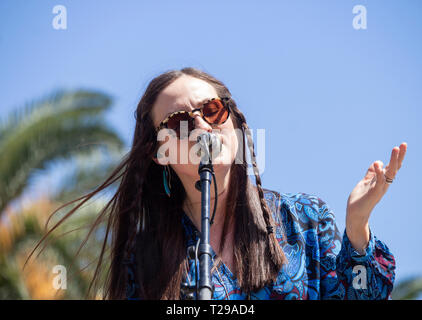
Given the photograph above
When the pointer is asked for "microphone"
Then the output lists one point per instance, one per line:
(209, 143)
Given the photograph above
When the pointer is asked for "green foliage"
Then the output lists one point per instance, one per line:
(59, 127)
(408, 289)
(67, 126)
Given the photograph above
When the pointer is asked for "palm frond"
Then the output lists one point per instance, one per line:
(21, 230)
(55, 102)
(89, 171)
(63, 125)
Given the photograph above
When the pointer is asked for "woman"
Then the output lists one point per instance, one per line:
(265, 245)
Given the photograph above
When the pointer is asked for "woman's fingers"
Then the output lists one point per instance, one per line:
(396, 159)
(403, 149)
(379, 170)
(392, 167)
(377, 182)
(390, 170)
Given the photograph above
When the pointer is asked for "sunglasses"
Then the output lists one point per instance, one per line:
(214, 111)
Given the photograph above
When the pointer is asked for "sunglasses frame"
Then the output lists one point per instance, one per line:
(224, 100)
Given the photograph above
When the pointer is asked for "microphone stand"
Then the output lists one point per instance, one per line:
(207, 142)
(205, 171)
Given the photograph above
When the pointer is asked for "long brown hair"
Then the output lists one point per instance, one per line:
(143, 217)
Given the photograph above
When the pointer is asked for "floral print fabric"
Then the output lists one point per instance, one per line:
(322, 264)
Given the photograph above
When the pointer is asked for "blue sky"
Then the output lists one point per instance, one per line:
(332, 99)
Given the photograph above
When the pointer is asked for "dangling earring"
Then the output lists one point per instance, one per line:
(166, 180)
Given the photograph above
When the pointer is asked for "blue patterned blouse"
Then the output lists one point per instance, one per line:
(321, 263)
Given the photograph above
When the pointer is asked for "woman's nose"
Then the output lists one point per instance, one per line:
(202, 124)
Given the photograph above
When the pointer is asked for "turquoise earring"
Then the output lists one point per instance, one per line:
(166, 180)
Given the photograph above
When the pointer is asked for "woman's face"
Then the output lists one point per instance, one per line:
(187, 93)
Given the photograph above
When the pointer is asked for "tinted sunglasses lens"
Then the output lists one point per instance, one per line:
(174, 122)
(215, 112)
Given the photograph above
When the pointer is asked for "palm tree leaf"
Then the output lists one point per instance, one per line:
(65, 125)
